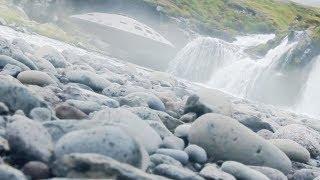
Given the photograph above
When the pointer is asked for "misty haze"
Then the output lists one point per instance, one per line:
(160, 89)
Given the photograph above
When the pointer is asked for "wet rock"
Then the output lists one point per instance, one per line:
(178, 155)
(4, 145)
(293, 150)
(266, 134)
(43, 64)
(241, 171)
(11, 70)
(160, 128)
(65, 111)
(58, 128)
(144, 100)
(304, 136)
(8, 172)
(41, 114)
(189, 117)
(36, 170)
(145, 113)
(225, 138)
(173, 142)
(116, 90)
(5, 60)
(305, 174)
(82, 86)
(215, 100)
(170, 122)
(16, 96)
(52, 55)
(47, 93)
(182, 131)
(212, 172)
(85, 106)
(133, 124)
(35, 78)
(23, 45)
(3, 109)
(271, 173)
(88, 78)
(29, 140)
(80, 94)
(157, 159)
(149, 114)
(254, 123)
(97, 166)
(108, 140)
(196, 154)
(175, 172)
(193, 105)
(10, 50)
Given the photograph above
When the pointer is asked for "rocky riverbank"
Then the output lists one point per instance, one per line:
(65, 115)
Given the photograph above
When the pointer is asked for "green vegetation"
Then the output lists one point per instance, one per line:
(243, 16)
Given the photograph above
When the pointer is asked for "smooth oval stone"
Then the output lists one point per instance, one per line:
(35, 78)
(65, 111)
(173, 142)
(143, 99)
(96, 166)
(88, 78)
(41, 114)
(211, 171)
(29, 140)
(179, 155)
(196, 154)
(266, 134)
(110, 141)
(85, 106)
(36, 170)
(148, 137)
(271, 173)
(11, 70)
(52, 55)
(10, 173)
(306, 137)
(174, 172)
(225, 138)
(293, 150)
(157, 159)
(4, 60)
(182, 131)
(17, 96)
(241, 171)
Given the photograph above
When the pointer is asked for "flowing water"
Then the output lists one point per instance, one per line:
(310, 101)
(225, 66)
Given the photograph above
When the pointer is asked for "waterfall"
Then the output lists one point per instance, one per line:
(310, 99)
(240, 77)
(204, 56)
(226, 67)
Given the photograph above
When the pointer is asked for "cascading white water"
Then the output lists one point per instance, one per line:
(310, 99)
(240, 77)
(224, 65)
(204, 56)
(256, 79)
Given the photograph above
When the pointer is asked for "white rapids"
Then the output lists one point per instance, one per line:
(225, 66)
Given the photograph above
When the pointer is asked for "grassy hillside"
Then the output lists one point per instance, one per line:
(249, 16)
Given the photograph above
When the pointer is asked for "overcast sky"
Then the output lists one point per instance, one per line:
(309, 2)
